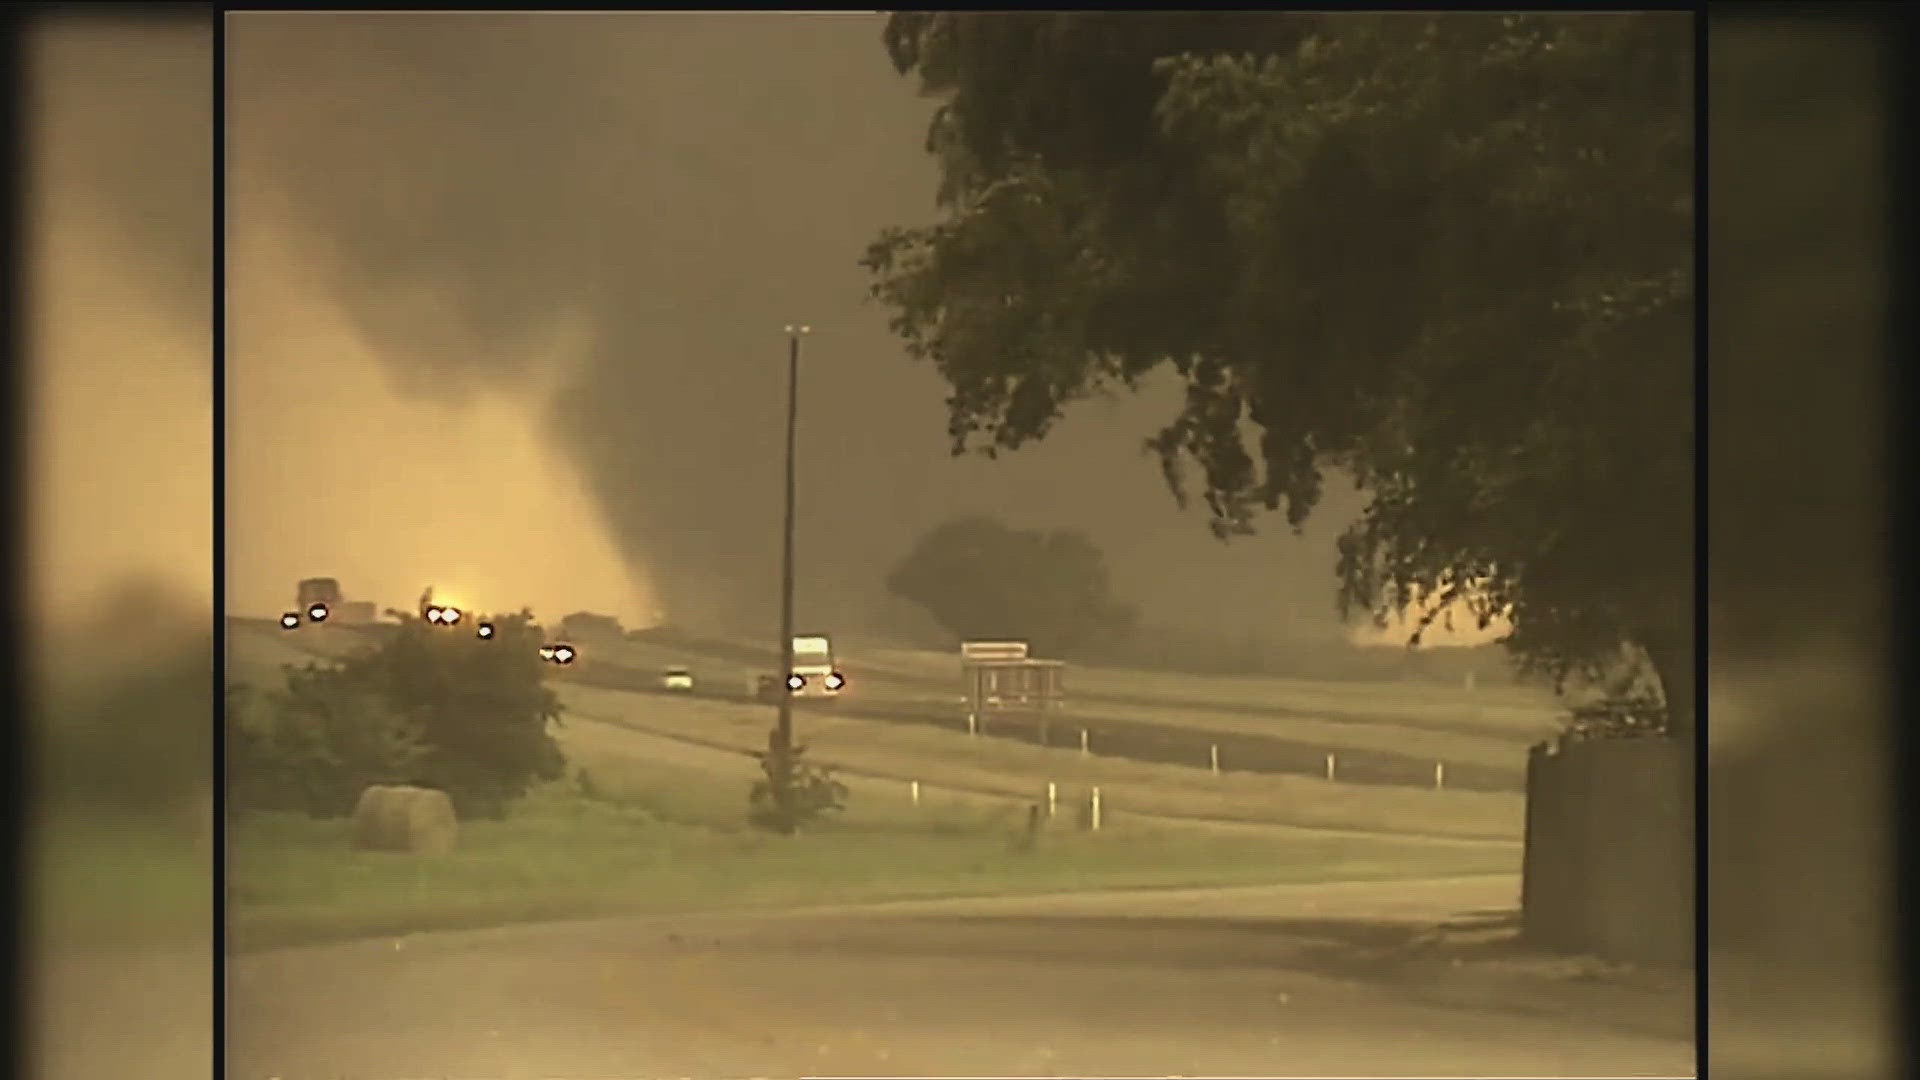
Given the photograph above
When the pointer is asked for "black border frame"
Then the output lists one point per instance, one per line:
(1701, 512)
(218, 272)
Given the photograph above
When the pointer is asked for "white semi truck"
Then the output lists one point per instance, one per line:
(814, 675)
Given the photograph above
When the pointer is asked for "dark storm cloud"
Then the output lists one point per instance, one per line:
(686, 184)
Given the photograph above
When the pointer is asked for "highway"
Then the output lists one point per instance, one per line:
(1133, 739)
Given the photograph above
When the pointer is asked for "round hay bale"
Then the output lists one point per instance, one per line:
(371, 821)
(417, 820)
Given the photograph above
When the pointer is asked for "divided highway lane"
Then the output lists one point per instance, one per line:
(1137, 740)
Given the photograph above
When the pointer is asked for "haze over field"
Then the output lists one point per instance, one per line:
(120, 428)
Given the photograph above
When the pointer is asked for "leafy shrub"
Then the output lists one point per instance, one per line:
(316, 744)
(793, 792)
(429, 706)
(1618, 718)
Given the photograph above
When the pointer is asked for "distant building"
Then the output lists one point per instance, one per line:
(587, 624)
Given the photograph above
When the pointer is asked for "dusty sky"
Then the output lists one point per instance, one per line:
(120, 387)
(506, 299)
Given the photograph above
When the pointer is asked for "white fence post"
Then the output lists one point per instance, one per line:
(1214, 758)
(973, 724)
(1439, 774)
(1083, 741)
(1095, 817)
(915, 790)
(1329, 766)
(1053, 798)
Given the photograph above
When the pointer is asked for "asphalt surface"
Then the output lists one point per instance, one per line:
(1112, 736)
(1277, 981)
(1135, 739)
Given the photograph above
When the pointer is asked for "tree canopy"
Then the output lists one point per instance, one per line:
(447, 709)
(981, 579)
(1449, 255)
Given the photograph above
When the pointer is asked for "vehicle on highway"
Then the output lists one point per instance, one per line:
(815, 673)
(677, 678)
(324, 591)
(320, 600)
(436, 613)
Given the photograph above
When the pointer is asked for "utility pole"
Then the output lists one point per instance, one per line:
(782, 741)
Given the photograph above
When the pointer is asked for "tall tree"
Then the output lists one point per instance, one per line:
(1450, 255)
(980, 579)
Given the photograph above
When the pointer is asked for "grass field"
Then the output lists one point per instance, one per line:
(1508, 713)
(1421, 741)
(293, 879)
(661, 825)
(105, 881)
(908, 752)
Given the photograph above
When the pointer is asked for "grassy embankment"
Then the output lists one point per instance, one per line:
(664, 831)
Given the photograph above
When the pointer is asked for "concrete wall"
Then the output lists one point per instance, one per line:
(1609, 867)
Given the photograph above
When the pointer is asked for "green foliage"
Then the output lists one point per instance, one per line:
(1448, 255)
(793, 792)
(314, 745)
(980, 579)
(1617, 718)
(482, 708)
(433, 706)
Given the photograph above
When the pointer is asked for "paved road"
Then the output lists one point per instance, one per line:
(1137, 738)
(1267, 981)
(147, 1014)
